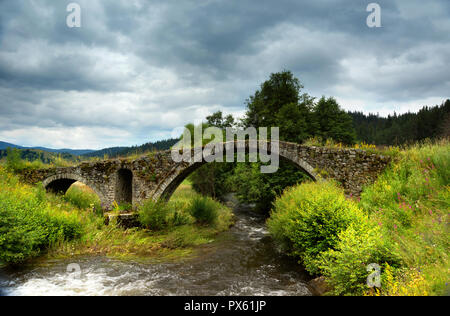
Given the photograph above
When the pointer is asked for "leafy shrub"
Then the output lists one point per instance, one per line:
(406, 232)
(153, 215)
(345, 267)
(27, 224)
(308, 218)
(204, 210)
(25, 232)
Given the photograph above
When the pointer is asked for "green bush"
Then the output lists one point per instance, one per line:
(345, 267)
(153, 215)
(307, 219)
(27, 224)
(204, 210)
(161, 215)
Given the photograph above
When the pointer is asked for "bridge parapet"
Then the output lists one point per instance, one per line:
(157, 175)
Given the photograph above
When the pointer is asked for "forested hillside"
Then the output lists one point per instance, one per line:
(429, 122)
(40, 155)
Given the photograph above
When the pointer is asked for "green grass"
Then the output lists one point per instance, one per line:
(83, 197)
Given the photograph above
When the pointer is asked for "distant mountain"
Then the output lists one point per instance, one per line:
(126, 151)
(111, 152)
(75, 152)
(4, 145)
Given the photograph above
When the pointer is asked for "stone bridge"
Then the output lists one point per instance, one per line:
(157, 176)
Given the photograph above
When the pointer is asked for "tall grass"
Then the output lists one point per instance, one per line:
(83, 197)
(154, 215)
(204, 210)
(28, 224)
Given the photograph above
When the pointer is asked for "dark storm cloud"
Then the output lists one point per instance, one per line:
(140, 68)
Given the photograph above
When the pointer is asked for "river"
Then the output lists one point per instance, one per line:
(244, 261)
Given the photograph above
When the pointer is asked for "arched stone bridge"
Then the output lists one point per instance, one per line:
(157, 176)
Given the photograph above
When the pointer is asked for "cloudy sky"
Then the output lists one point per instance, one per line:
(135, 70)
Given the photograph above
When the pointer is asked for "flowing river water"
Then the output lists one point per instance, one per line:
(243, 262)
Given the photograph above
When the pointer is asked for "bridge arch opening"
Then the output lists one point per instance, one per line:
(170, 185)
(124, 187)
(83, 196)
(75, 190)
(60, 186)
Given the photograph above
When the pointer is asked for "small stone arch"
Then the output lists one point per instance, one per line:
(181, 171)
(60, 183)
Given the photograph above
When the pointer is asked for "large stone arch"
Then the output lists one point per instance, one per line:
(181, 171)
(61, 183)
